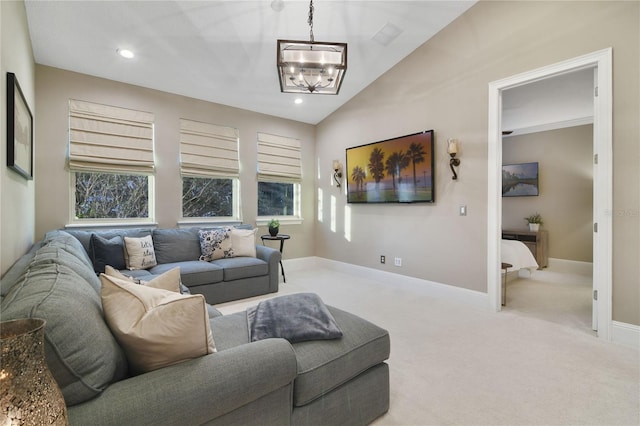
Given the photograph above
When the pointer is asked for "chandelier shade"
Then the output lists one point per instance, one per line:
(311, 67)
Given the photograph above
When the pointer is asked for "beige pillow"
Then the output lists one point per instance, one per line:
(169, 280)
(243, 242)
(155, 327)
(140, 252)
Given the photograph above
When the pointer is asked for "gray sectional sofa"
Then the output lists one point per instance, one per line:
(220, 280)
(342, 381)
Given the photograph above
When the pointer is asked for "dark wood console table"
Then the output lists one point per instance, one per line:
(536, 241)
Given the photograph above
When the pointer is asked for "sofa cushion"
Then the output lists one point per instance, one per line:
(105, 251)
(80, 350)
(140, 253)
(193, 273)
(85, 236)
(215, 243)
(156, 327)
(323, 365)
(17, 269)
(170, 280)
(176, 245)
(237, 268)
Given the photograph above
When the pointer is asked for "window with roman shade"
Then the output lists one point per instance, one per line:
(109, 139)
(279, 178)
(208, 150)
(210, 170)
(279, 159)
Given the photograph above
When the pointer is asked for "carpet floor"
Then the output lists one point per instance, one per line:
(452, 364)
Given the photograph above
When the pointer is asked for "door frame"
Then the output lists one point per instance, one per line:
(602, 180)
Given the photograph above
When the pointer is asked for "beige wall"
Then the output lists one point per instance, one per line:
(55, 87)
(443, 85)
(565, 200)
(17, 199)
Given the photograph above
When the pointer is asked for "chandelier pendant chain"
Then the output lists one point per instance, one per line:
(310, 22)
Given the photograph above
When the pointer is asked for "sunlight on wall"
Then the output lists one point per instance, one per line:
(347, 223)
(320, 216)
(333, 213)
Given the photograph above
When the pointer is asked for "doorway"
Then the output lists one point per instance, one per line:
(602, 181)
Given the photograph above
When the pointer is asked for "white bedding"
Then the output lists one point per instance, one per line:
(519, 255)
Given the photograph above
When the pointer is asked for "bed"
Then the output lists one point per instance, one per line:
(518, 255)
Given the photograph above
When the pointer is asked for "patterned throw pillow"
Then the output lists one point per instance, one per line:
(215, 243)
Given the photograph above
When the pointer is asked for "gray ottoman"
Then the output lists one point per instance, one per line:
(340, 382)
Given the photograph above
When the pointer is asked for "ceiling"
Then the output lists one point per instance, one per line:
(564, 100)
(225, 51)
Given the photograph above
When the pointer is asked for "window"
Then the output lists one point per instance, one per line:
(111, 161)
(207, 197)
(111, 196)
(279, 177)
(210, 168)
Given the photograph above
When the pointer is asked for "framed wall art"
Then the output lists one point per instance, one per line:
(520, 180)
(19, 130)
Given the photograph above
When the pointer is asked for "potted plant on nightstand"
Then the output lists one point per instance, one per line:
(534, 221)
(274, 227)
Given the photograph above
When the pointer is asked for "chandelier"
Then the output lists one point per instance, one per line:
(310, 66)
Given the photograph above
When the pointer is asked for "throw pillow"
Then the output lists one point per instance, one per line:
(243, 242)
(296, 317)
(140, 253)
(215, 243)
(170, 280)
(105, 251)
(155, 327)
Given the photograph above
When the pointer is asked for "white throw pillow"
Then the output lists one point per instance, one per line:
(243, 242)
(140, 252)
(155, 327)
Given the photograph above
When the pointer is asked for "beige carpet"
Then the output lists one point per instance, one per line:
(455, 365)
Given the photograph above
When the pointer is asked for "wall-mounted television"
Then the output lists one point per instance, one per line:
(398, 170)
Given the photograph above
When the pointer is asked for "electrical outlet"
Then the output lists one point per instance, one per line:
(383, 259)
(397, 261)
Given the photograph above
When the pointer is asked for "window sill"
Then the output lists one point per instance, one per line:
(206, 222)
(263, 221)
(94, 225)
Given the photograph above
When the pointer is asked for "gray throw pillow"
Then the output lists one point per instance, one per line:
(105, 251)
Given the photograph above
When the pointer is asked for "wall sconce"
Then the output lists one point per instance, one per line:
(452, 149)
(337, 172)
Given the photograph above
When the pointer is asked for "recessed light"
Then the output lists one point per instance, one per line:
(125, 53)
(277, 5)
(298, 100)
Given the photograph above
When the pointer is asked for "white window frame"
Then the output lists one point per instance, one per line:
(236, 215)
(293, 219)
(95, 222)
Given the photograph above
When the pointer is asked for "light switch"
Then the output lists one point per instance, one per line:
(463, 210)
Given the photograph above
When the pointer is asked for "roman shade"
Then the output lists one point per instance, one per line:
(278, 158)
(208, 150)
(105, 138)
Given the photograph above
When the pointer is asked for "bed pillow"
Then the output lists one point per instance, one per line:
(243, 242)
(140, 252)
(155, 327)
(215, 243)
(106, 251)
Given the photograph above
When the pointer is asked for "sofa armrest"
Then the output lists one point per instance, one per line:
(199, 390)
(272, 257)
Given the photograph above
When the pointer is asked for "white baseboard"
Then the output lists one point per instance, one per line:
(572, 266)
(444, 291)
(625, 334)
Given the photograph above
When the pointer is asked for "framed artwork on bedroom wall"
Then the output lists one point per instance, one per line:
(520, 180)
(19, 130)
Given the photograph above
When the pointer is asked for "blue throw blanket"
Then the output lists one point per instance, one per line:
(297, 318)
